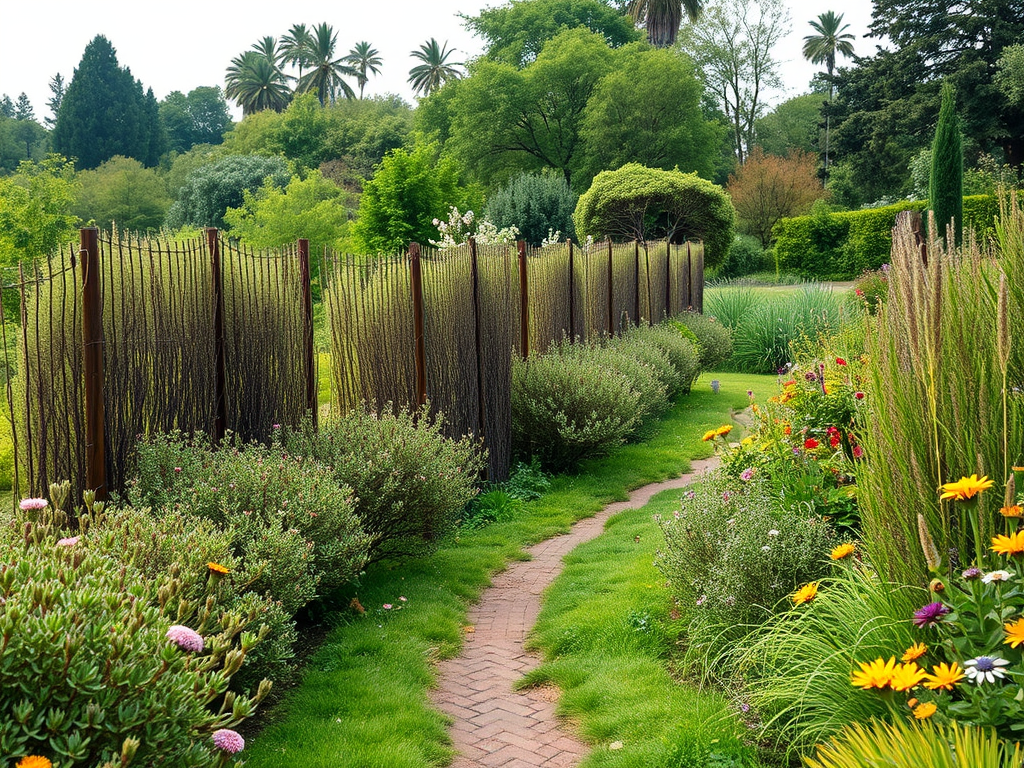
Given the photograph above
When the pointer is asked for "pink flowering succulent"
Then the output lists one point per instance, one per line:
(185, 638)
(228, 741)
(27, 505)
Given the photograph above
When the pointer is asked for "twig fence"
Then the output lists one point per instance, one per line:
(122, 338)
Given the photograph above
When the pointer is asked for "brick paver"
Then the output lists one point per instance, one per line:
(494, 726)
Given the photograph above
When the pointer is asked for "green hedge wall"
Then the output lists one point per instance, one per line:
(840, 246)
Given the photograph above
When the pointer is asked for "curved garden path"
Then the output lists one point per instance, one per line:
(494, 726)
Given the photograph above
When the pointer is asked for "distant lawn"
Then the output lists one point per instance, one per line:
(363, 701)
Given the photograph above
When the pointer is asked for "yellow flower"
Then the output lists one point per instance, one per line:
(1009, 545)
(723, 430)
(1014, 633)
(965, 488)
(874, 674)
(34, 761)
(806, 593)
(217, 568)
(906, 676)
(925, 710)
(843, 551)
(710, 435)
(944, 676)
(1012, 511)
(915, 652)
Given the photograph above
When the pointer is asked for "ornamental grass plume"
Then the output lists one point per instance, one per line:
(931, 553)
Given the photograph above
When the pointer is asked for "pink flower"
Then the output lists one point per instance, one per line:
(388, 606)
(403, 599)
(185, 638)
(33, 504)
(857, 451)
(229, 741)
(747, 473)
(70, 541)
(177, 469)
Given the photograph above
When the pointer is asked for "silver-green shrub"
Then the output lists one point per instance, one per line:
(714, 338)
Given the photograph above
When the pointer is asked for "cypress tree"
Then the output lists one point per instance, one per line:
(946, 186)
(104, 112)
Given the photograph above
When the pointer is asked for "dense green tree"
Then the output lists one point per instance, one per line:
(537, 204)
(366, 61)
(793, 124)
(23, 108)
(1010, 77)
(409, 190)
(35, 210)
(6, 106)
(105, 112)
(638, 203)
(506, 121)
(311, 208)
(327, 71)
(946, 185)
(661, 18)
(734, 43)
(435, 70)
(29, 135)
(201, 117)
(211, 189)
(122, 192)
(647, 110)
(821, 48)
(515, 33)
(57, 88)
(256, 83)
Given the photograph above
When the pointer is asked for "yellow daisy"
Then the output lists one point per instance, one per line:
(906, 676)
(925, 710)
(806, 593)
(723, 430)
(874, 674)
(965, 488)
(914, 652)
(1014, 633)
(843, 551)
(710, 435)
(1009, 545)
(944, 676)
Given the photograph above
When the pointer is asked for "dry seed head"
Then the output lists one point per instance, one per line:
(1011, 491)
(931, 554)
(1003, 325)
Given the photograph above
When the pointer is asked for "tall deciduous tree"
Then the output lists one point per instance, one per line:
(201, 117)
(435, 70)
(366, 61)
(35, 210)
(661, 18)
(768, 188)
(124, 193)
(105, 112)
(515, 33)
(734, 44)
(946, 186)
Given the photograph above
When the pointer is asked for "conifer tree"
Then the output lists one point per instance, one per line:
(946, 186)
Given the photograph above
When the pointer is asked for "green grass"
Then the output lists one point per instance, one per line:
(363, 701)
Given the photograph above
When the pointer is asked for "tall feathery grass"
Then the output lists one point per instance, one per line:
(944, 379)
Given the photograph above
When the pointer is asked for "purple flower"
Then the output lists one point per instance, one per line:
(228, 741)
(691, 495)
(32, 504)
(750, 393)
(70, 541)
(972, 573)
(185, 638)
(810, 376)
(746, 474)
(929, 615)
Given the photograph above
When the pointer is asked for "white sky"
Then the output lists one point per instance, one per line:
(188, 43)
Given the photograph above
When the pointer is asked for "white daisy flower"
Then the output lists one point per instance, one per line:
(991, 576)
(985, 669)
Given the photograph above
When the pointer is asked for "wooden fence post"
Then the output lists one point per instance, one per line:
(611, 292)
(92, 354)
(524, 301)
(572, 296)
(668, 278)
(309, 358)
(689, 277)
(220, 422)
(419, 341)
(636, 282)
(698, 282)
(474, 270)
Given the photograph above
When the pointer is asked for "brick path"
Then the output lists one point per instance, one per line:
(495, 726)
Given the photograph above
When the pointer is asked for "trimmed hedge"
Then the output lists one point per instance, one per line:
(840, 246)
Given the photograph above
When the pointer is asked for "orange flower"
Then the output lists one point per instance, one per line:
(843, 551)
(1009, 545)
(787, 430)
(806, 593)
(1012, 511)
(925, 710)
(723, 430)
(34, 761)
(217, 568)
(710, 435)
(944, 676)
(914, 652)
(1014, 633)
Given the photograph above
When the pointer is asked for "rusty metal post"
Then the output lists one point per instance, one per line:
(524, 301)
(475, 272)
(92, 356)
(309, 356)
(572, 297)
(611, 292)
(419, 340)
(220, 422)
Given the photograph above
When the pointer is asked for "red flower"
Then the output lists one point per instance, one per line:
(857, 451)
(859, 395)
(810, 443)
(834, 441)
(840, 361)
(859, 292)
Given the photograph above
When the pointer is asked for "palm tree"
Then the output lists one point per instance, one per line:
(268, 47)
(325, 75)
(256, 83)
(435, 70)
(364, 58)
(295, 46)
(663, 17)
(822, 49)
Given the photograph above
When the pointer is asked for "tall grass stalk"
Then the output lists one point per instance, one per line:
(935, 386)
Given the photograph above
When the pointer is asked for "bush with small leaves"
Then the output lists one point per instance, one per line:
(411, 482)
(715, 339)
(94, 673)
(682, 352)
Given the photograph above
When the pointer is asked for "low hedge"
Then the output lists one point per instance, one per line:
(840, 246)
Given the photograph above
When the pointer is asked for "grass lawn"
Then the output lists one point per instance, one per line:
(363, 700)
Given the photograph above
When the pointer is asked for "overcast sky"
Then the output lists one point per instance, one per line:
(187, 43)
